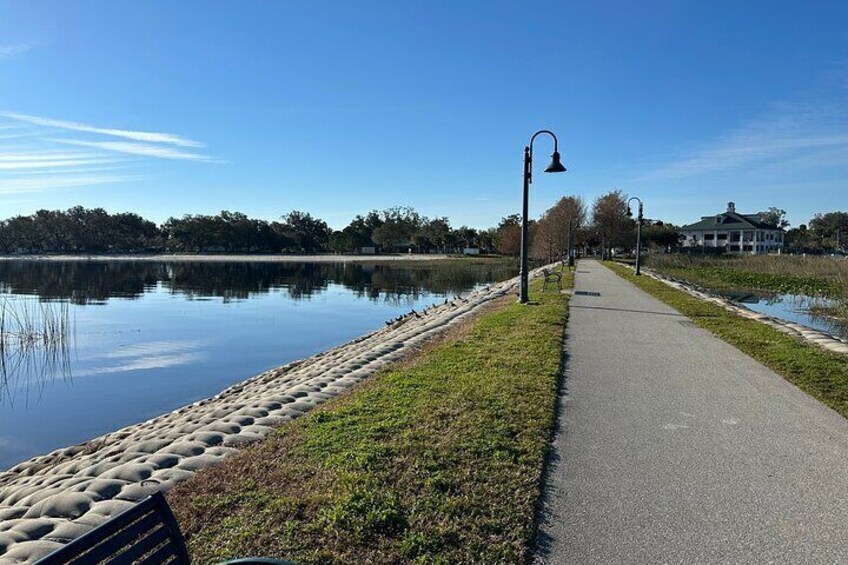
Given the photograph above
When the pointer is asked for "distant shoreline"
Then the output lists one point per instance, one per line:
(222, 258)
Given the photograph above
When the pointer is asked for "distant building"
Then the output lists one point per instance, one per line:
(738, 234)
(471, 251)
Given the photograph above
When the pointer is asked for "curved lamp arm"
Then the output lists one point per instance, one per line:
(637, 199)
(555, 166)
(547, 131)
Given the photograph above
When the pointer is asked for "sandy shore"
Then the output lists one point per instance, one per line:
(215, 258)
(52, 499)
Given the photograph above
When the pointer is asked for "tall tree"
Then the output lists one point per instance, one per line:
(611, 222)
(308, 234)
(508, 235)
(830, 230)
(775, 217)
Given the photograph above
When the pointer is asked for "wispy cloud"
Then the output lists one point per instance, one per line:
(10, 50)
(806, 135)
(49, 160)
(143, 149)
(19, 185)
(146, 136)
(32, 160)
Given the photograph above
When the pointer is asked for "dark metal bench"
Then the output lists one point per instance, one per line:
(552, 277)
(146, 534)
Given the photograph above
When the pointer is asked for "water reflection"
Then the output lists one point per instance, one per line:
(145, 356)
(797, 308)
(96, 282)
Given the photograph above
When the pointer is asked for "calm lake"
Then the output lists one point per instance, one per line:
(797, 308)
(145, 338)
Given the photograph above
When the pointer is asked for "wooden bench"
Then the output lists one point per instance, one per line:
(552, 277)
(146, 534)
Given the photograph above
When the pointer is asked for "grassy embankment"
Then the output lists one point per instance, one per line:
(436, 460)
(822, 374)
(783, 274)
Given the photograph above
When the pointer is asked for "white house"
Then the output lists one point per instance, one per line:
(738, 234)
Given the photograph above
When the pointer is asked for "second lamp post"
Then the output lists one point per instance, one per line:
(554, 167)
(639, 220)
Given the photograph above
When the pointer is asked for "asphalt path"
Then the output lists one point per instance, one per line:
(674, 447)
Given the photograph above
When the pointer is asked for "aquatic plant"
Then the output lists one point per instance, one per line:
(35, 340)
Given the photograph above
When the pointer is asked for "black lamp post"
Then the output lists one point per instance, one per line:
(571, 242)
(639, 220)
(554, 167)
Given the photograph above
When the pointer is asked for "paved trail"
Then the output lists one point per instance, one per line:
(674, 447)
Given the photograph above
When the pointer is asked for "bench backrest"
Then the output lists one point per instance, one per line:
(145, 534)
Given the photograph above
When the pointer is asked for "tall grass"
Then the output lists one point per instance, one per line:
(816, 276)
(35, 339)
(826, 268)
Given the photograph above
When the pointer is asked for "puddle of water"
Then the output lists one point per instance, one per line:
(792, 308)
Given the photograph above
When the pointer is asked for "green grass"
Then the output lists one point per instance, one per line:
(438, 460)
(820, 373)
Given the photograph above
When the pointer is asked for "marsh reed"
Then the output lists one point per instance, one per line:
(35, 340)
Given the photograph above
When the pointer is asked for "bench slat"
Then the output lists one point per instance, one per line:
(163, 555)
(128, 535)
(140, 548)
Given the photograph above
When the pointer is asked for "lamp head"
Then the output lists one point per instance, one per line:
(629, 211)
(556, 165)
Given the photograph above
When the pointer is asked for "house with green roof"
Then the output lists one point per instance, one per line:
(738, 234)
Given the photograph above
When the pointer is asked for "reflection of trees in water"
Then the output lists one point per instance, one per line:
(34, 345)
(78, 282)
(91, 282)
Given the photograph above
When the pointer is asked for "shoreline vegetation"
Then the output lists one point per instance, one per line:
(823, 277)
(821, 374)
(436, 459)
(94, 230)
(779, 274)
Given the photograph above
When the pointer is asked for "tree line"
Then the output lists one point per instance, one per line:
(604, 226)
(84, 230)
(824, 233)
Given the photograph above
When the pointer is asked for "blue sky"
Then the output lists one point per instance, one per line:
(337, 108)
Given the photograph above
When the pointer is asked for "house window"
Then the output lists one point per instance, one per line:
(747, 248)
(722, 236)
(709, 236)
(734, 236)
(734, 248)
